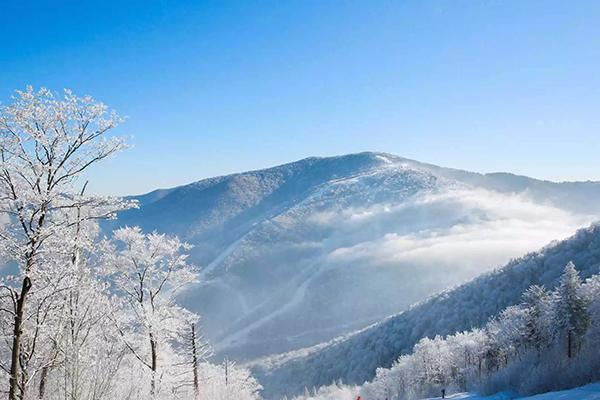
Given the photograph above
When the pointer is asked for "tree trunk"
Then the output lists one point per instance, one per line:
(195, 362)
(42, 387)
(16, 344)
(23, 378)
(153, 367)
(569, 340)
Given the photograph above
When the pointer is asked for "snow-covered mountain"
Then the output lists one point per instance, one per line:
(300, 253)
(354, 358)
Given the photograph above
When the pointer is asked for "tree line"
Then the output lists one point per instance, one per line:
(547, 342)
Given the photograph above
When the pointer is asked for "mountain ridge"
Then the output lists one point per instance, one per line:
(370, 153)
(297, 254)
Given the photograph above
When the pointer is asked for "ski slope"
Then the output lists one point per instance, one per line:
(587, 392)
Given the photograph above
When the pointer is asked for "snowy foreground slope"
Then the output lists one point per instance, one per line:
(587, 392)
(354, 358)
(301, 253)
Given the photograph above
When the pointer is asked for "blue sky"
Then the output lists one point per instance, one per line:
(211, 88)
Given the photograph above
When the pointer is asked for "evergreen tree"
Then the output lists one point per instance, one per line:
(571, 315)
(537, 305)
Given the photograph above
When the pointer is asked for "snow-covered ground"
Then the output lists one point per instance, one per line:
(588, 392)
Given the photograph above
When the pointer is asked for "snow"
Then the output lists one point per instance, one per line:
(471, 396)
(383, 158)
(588, 392)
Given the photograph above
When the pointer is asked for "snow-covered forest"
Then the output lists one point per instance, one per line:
(547, 342)
(470, 305)
(84, 315)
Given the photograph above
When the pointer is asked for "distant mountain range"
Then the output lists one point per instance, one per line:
(300, 253)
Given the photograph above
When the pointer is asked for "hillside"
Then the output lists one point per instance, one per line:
(354, 358)
(300, 253)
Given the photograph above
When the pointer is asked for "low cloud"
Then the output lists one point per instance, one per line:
(466, 229)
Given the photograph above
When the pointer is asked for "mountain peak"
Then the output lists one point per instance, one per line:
(281, 247)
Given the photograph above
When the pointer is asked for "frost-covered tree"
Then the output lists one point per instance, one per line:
(200, 351)
(86, 348)
(510, 335)
(46, 143)
(571, 316)
(537, 305)
(468, 350)
(434, 364)
(337, 391)
(149, 271)
(39, 320)
(591, 293)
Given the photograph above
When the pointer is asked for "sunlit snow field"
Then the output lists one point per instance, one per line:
(588, 392)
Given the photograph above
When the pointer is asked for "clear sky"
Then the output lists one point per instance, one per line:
(217, 87)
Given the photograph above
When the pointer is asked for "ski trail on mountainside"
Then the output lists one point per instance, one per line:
(298, 295)
(298, 285)
(204, 272)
